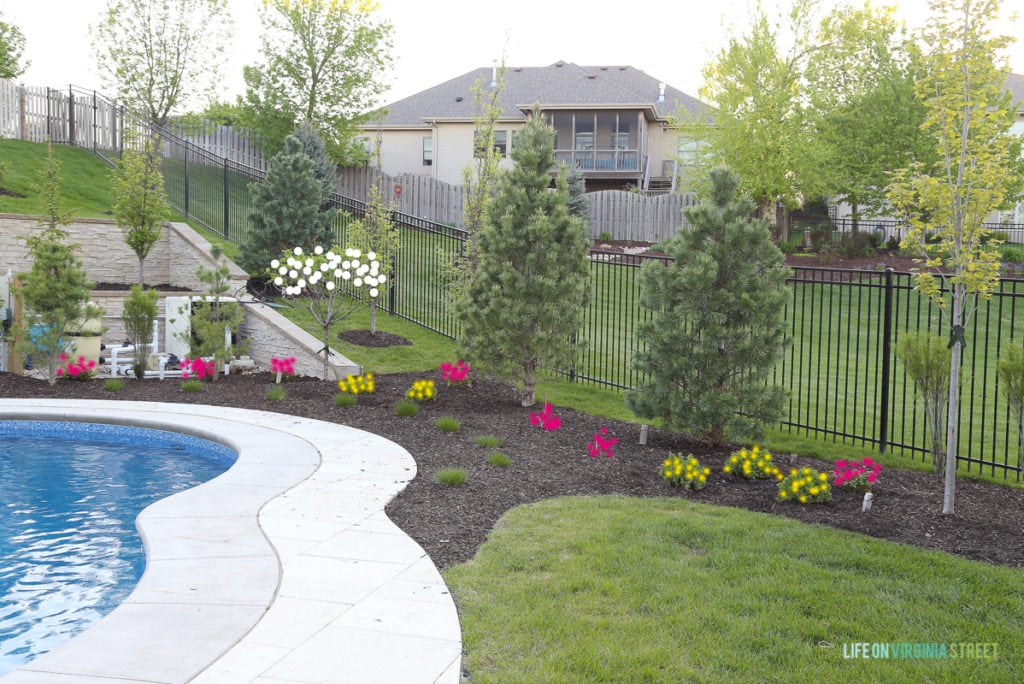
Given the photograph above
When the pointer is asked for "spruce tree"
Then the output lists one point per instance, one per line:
(716, 329)
(522, 307)
(289, 209)
(324, 169)
(577, 185)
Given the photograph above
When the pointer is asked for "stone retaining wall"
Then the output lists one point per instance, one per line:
(173, 261)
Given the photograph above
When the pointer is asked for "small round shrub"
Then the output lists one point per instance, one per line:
(276, 393)
(344, 400)
(113, 385)
(406, 407)
(489, 441)
(193, 385)
(453, 477)
(499, 459)
(448, 424)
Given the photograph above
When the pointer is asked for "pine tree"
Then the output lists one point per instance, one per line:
(289, 210)
(522, 307)
(577, 185)
(716, 329)
(324, 169)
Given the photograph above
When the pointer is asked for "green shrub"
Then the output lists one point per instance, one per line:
(806, 485)
(276, 393)
(605, 236)
(344, 400)
(821, 236)
(1011, 377)
(193, 385)
(489, 441)
(499, 459)
(927, 360)
(406, 407)
(862, 244)
(1011, 253)
(453, 477)
(113, 385)
(448, 424)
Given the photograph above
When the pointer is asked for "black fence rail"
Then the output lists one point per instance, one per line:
(888, 229)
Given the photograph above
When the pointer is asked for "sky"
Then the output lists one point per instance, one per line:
(435, 41)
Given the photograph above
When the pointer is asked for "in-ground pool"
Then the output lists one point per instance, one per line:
(69, 496)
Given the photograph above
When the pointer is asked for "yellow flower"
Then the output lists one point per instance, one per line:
(707, 471)
(767, 457)
(803, 499)
(795, 487)
(814, 491)
(727, 469)
(822, 476)
(702, 478)
(783, 494)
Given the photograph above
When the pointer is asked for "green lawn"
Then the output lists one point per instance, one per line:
(86, 180)
(613, 589)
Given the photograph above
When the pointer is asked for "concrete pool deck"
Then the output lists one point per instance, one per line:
(283, 569)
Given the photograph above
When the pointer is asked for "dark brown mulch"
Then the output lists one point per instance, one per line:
(125, 287)
(6, 192)
(451, 522)
(365, 338)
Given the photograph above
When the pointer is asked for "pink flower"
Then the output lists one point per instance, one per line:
(867, 461)
(872, 477)
(546, 418)
(841, 464)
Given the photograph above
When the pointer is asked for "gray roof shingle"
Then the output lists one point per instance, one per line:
(561, 84)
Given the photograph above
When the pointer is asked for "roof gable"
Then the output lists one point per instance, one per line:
(562, 84)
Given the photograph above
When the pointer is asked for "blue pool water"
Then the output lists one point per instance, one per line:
(69, 496)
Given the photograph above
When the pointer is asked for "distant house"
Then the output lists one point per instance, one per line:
(611, 122)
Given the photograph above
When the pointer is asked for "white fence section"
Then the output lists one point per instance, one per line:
(72, 115)
(225, 141)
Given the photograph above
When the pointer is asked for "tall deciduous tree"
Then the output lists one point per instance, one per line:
(140, 202)
(288, 209)
(323, 62)
(524, 299)
(969, 114)
(160, 54)
(716, 329)
(12, 50)
(761, 125)
(864, 110)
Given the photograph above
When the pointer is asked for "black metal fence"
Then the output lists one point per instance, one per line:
(844, 381)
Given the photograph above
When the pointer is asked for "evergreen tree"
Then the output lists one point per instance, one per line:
(523, 303)
(324, 169)
(716, 329)
(577, 186)
(288, 209)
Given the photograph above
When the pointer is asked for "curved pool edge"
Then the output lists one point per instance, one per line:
(338, 590)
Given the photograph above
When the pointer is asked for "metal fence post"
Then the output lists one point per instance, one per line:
(184, 155)
(227, 200)
(883, 422)
(392, 291)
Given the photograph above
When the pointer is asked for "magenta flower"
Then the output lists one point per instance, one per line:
(602, 444)
(454, 372)
(546, 418)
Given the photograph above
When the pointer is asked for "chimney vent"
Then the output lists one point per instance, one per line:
(661, 92)
(494, 73)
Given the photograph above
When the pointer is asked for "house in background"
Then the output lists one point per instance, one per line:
(611, 122)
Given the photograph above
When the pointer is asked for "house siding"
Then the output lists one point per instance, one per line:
(402, 152)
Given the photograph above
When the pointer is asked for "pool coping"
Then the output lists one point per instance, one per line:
(283, 568)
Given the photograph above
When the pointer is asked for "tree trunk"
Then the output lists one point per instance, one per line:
(373, 316)
(327, 348)
(142, 275)
(952, 412)
(529, 386)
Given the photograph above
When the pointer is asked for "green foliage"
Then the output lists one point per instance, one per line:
(1011, 379)
(49, 187)
(577, 200)
(215, 320)
(1011, 253)
(406, 408)
(499, 459)
(806, 485)
(138, 316)
(140, 202)
(479, 181)
(113, 384)
(448, 424)
(489, 441)
(453, 477)
(12, 50)
(866, 117)
(156, 53)
(344, 400)
(376, 233)
(861, 244)
(55, 291)
(289, 209)
(522, 307)
(969, 115)
(716, 329)
(277, 393)
(687, 472)
(325, 170)
(322, 62)
(192, 386)
(927, 359)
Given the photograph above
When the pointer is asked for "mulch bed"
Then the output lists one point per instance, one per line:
(452, 522)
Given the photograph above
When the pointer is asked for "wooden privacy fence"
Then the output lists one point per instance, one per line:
(227, 142)
(623, 215)
(71, 116)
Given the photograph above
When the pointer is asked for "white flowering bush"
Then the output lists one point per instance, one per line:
(325, 282)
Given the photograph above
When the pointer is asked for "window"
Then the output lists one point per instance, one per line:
(428, 151)
(365, 144)
(500, 142)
